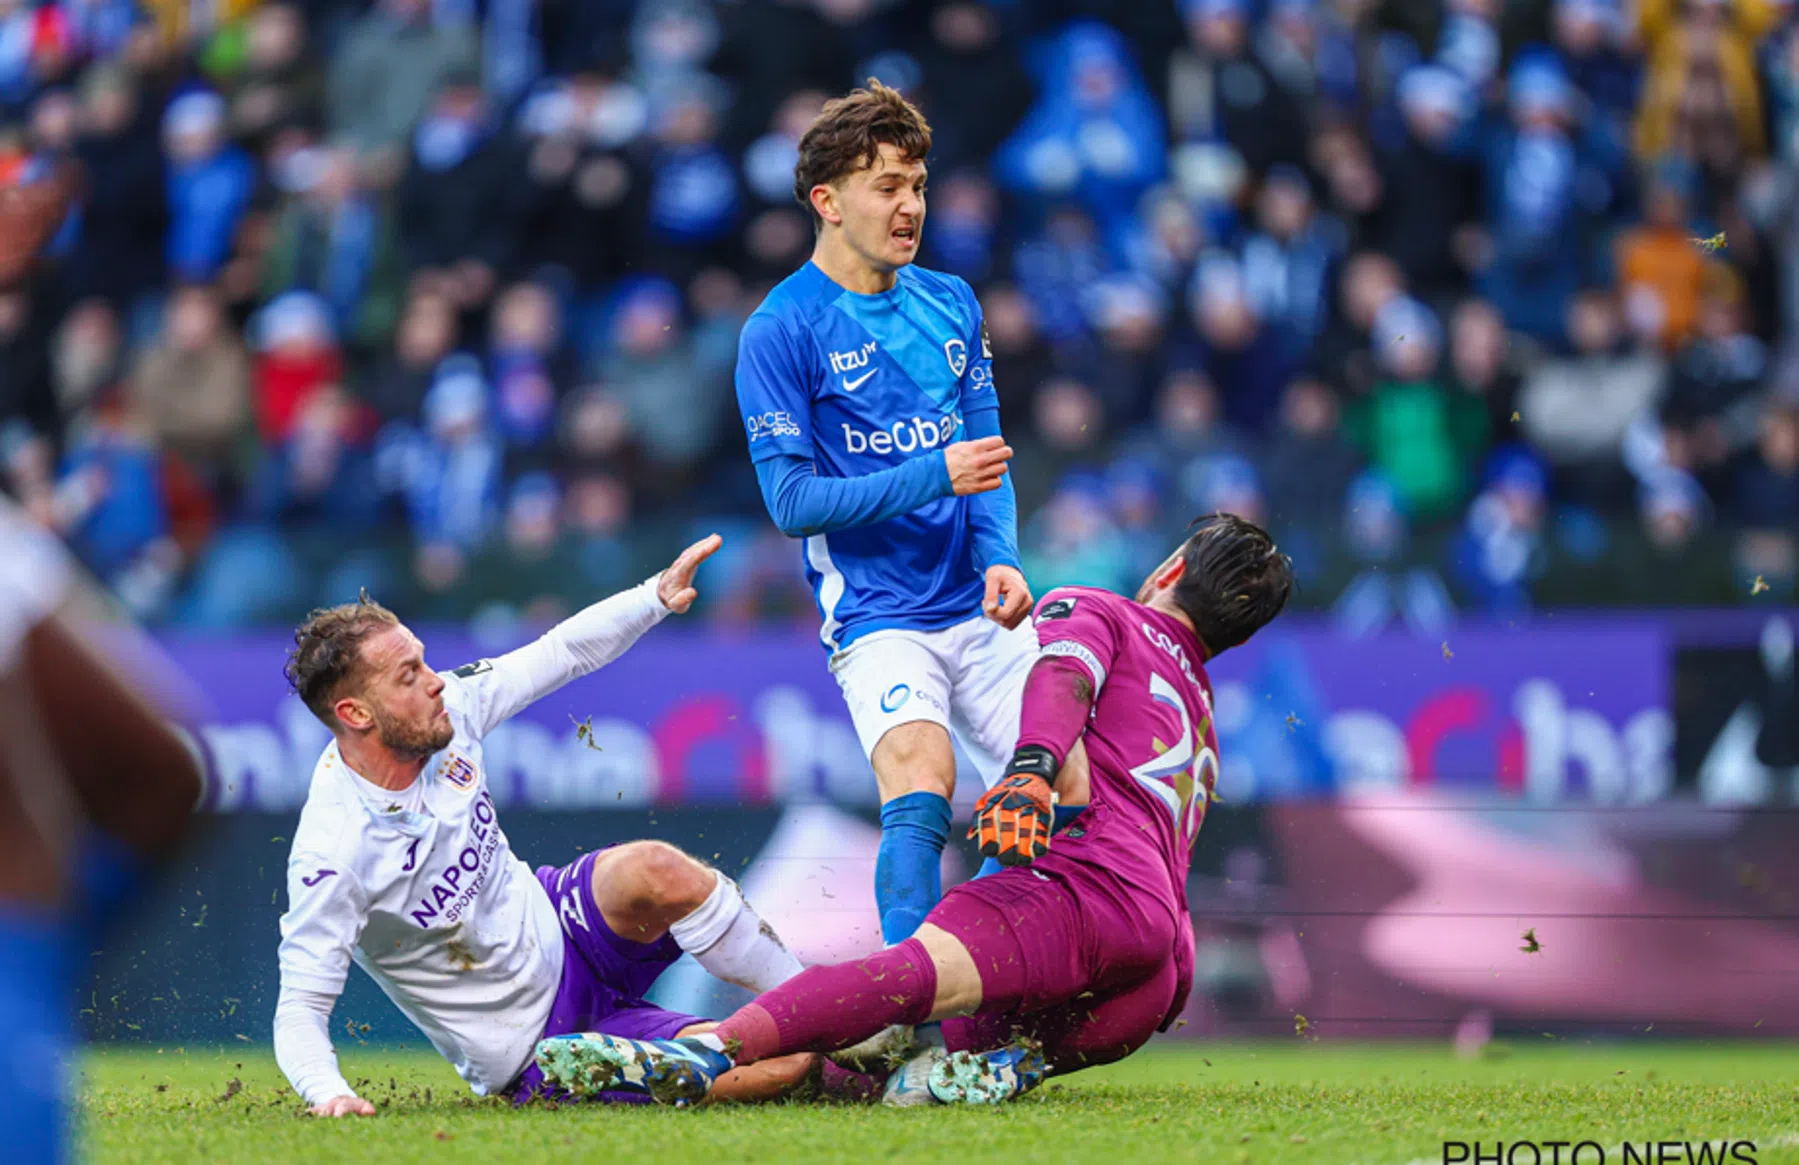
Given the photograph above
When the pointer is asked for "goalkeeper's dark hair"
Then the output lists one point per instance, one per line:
(847, 136)
(1236, 580)
(327, 652)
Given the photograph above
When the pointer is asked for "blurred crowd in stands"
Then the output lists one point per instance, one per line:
(1479, 305)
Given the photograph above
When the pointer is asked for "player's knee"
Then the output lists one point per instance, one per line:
(662, 878)
(915, 758)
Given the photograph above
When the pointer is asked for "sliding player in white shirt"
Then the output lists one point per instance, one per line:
(399, 865)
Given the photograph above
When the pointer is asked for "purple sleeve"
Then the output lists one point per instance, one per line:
(1078, 646)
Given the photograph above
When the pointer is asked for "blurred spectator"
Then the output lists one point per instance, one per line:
(117, 251)
(1660, 270)
(1184, 437)
(277, 83)
(1127, 314)
(1577, 410)
(527, 368)
(1238, 351)
(85, 356)
(1290, 260)
(1715, 385)
(1342, 357)
(427, 332)
(679, 401)
(1428, 184)
(1309, 466)
(389, 68)
(333, 239)
(321, 474)
(210, 182)
(1500, 549)
(296, 356)
(694, 197)
(1701, 95)
(968, 64)
(454, 492)
(1767, 492)
(1056, 267)
(1535, 264)
(587, 201)
(461, 201)
(964, 226)
(1482, 361)
(1072, 539)
(1068, 431)
(1411, 427)
(27, 400)
(193, 388)
(1220, 92)
(1094, 135)
(1589, 37)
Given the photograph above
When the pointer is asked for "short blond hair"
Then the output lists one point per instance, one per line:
(327, 652)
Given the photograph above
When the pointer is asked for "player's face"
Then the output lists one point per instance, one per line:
(883, 210)
(404, 696)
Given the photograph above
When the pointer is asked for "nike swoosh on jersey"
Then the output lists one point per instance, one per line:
(853, 385)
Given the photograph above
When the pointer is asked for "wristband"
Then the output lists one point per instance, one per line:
(1036, 760)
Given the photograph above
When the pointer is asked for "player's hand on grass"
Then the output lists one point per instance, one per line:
(675, 587)
(344, 1106)
(1012, 820)
(977, 467)
(1008, 598)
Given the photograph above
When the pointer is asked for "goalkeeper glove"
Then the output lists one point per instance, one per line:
(1012, 820)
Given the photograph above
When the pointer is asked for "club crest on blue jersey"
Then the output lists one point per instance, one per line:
(459, 772)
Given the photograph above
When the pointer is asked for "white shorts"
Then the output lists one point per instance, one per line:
(968, 678)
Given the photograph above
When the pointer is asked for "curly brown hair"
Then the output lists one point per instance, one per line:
(327, 652)
(847, 135)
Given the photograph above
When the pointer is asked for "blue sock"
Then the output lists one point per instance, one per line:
(909, 870)
(1065, 815)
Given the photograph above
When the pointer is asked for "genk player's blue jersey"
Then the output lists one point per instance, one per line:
(856, 384)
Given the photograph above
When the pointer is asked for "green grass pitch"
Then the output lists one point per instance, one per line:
(1297, 1101)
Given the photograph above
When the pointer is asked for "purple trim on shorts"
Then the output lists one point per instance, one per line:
(604, 979)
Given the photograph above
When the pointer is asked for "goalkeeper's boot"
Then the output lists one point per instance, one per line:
(678, 1072)
(987, 1077)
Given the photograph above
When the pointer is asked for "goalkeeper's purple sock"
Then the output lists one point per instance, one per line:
(829, 1007)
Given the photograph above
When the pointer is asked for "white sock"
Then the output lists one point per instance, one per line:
(731, 941)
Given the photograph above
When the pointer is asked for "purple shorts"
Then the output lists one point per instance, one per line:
(604, 977)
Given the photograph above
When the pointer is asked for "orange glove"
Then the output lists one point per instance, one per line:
(1012, 820)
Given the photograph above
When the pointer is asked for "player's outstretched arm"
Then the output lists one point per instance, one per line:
(803, 504)
(326, 910)
(304, 1053)
(584, 642)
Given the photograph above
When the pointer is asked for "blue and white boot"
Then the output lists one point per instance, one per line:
(935, 1076)
(678, 1072)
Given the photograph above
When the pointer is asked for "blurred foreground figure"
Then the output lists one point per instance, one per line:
(95, 788)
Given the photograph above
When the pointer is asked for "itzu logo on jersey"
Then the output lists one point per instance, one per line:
(904, 436)
(854, 358)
